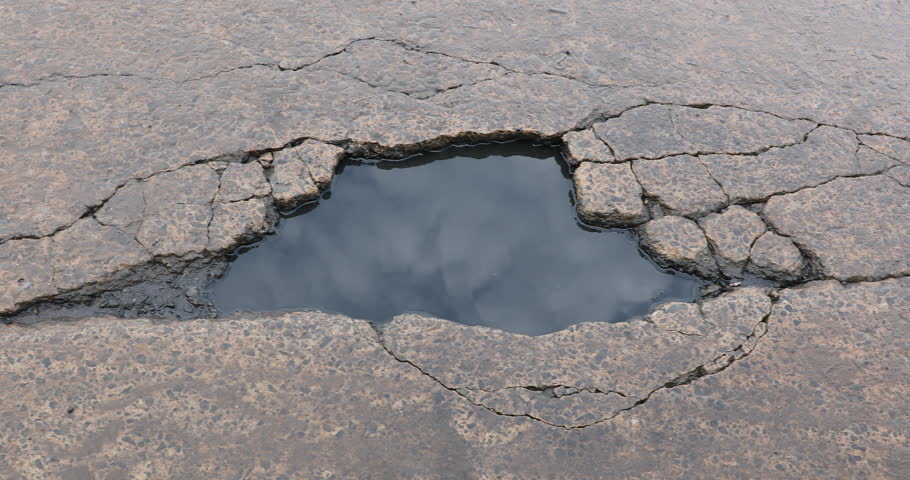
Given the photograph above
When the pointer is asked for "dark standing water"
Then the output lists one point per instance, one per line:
(483, 235)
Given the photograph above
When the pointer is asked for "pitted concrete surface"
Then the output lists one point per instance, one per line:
(821, 394)
(765, 143)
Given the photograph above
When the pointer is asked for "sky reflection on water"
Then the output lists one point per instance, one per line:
(483, 235)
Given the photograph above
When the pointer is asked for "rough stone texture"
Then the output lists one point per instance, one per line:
(220, 88)
(160, 200)
(25, 272)
(776, 257)
(125, 209)
(242, 181)
(165, 215)
(855, 228)
(321, 160)
(410, 72)
(309, 395)
(291, 183)
(817, 380)
(299, 172)
(192, 185)
(179, 230)
(99, 100)
(240, 222)
(678, 242)
(901, 173)
(895, 148)
(728, 311)
(681, 184)
(168, 213)
(189, 382)
(826, 154)
(89, 252)
(731, 234)
(582, 375)
(584, 146)
(680, 317)
(381, 79)
(608, 195)
(656, 131)
(870, 161)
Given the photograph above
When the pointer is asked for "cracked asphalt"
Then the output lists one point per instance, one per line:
(764, 147)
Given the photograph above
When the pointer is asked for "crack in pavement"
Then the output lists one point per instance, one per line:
(278, 66)
(716, 365)
(814, 262)
(371, 148)
(758, 152)
(881, 171)
(365, 147)
(713, 178)
(91, 210)
(60, 76)
(747, 153)
(438, 91)
(553, 390)
(861, 143)
(208, 226)
(361, 147)
(416, 48)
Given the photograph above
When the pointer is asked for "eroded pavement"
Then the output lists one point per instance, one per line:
(765, 144)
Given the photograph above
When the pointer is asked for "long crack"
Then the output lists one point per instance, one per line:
(547, 388)
(381, 342)
(378, 150)
(746, 153)
(860, 140)
(371, 148)
(60, 76)
(714, 179)
(423, 50)
(365, 148)
(208, 226)
(714, 366)
(817, 271)
(881, 171)
(410, 94)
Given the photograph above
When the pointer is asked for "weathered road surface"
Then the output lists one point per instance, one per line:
(140, 140)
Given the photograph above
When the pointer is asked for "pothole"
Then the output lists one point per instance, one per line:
(482, 235)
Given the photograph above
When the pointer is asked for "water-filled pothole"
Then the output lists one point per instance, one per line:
(483, 235)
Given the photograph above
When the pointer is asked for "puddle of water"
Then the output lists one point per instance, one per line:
(483, 235)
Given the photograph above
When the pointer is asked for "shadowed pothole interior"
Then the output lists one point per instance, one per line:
(482, 235)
